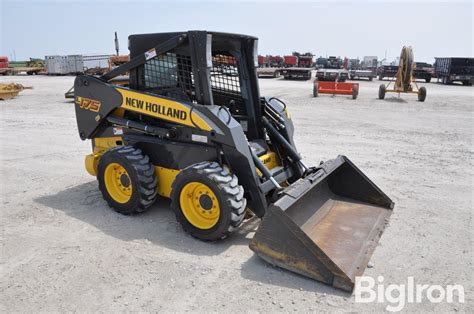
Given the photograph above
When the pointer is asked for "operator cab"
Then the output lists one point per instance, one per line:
(231, 78)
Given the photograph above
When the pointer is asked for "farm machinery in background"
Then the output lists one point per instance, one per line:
(11, 90)
(333, 70)
(365, 69)
(33, 66)
(404, 81)
(270, 66)
(331, 79)
(298, 66)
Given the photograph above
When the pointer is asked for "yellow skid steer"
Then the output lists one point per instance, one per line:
(191, 126)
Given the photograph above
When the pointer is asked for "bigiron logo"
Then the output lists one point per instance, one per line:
(88, 104)
(156, 108)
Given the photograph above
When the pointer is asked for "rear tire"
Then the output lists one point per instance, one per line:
(428, 79)
(371, 78)
(208, 201)
(382, 91)
(355, 92)
(422, 94)
(380, 77)
(127, 180)
(315, 89)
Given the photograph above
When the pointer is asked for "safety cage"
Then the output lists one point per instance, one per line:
(171, 75)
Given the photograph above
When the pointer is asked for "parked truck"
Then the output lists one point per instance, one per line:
(365, 69)
(333, 70)
(450, 70)
(423, 71)
(387, 71)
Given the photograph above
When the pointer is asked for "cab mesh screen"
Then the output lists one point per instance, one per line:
(169, 75)
(225, 83)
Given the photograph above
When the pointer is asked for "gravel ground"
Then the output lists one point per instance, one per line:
(63, 249)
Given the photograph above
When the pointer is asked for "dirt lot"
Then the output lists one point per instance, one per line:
(63, 249)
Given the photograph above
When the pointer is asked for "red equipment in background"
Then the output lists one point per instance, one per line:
(3, 62)
(291, 60)
(335, 88)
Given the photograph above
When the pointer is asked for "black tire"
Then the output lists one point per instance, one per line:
(380, 77)
(428, 79)
(371, 78)
(352, 77)
(355, 92)
(422, 94)
(229, 194)
(141, 176)
(382, 90)
(315, 89)
(29, 73)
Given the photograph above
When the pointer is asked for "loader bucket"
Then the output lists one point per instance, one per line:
(325, 226)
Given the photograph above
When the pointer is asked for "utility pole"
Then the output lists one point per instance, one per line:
(116, 44)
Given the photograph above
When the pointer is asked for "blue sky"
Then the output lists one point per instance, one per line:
(350, 28)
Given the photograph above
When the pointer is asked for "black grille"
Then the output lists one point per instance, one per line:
(225, 83)
(169, 75)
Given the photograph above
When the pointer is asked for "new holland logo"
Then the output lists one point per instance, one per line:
(88, 104)
(156, 108)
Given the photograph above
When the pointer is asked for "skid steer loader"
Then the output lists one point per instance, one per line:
(191, 126)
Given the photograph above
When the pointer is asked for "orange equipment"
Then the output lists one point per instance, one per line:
(339, 88)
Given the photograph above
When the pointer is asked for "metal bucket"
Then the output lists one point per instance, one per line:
(325, 226)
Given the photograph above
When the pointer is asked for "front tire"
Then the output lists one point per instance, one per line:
(127, 180)
(382, 90)
(422, 94)
(208, 201)
(315, 90)
(355, 92)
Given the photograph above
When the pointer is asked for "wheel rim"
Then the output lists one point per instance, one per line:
(118, 183)
(199, 205)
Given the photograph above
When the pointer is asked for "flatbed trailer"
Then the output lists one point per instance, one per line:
(269, 72)
(18, 70)
(296, 73)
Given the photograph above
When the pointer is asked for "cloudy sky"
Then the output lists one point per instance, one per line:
(341, 28)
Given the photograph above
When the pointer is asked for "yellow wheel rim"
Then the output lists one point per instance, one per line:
(118, 183)
(199, 205)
